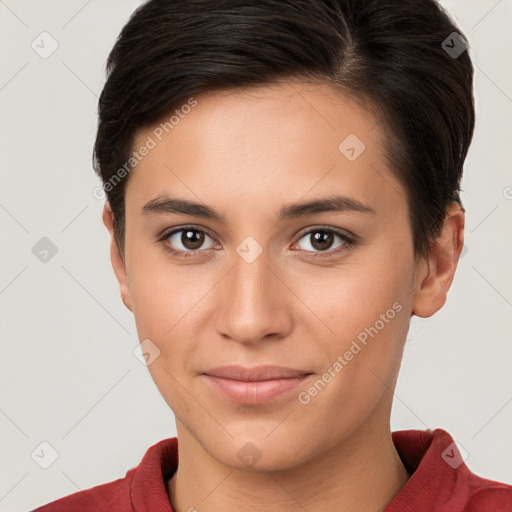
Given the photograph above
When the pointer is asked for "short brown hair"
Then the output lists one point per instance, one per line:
(394, 53)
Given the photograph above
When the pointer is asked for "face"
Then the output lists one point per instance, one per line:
(325, 290)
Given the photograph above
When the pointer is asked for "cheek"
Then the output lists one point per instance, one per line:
(365, 308)
(368, 318)
(169, 308)
(165, 296)
(362, 292)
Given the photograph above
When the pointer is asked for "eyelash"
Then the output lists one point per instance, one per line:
(349, 242)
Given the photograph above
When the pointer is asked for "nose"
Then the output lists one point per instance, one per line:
(255, 302)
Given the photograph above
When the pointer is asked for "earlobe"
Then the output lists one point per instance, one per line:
(436, 272)
(116, 258)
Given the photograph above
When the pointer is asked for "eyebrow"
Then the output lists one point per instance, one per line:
(333, 203)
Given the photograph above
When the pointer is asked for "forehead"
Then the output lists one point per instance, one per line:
(287, 139)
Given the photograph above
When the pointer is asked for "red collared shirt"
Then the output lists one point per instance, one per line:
(440, 481)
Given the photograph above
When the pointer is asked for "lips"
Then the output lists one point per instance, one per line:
(257, 373)
(254, 386)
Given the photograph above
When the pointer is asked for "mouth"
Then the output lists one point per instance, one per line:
(254, 386)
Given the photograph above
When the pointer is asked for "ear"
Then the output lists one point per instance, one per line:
(435, 273)
(116, 257)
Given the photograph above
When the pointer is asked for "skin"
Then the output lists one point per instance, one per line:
(247, 153)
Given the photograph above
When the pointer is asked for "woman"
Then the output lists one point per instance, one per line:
(282, 182)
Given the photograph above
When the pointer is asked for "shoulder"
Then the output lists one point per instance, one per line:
(489, 496)
(116, 493)
(143, 487)
(440, 479)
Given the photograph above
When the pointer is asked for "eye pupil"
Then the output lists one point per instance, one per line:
(192, 239)
(320, 238)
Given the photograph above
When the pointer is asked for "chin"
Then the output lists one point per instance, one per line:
(259, 453)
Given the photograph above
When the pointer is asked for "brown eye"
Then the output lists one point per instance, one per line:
(323, 240)
(192, 239)
(187, 240)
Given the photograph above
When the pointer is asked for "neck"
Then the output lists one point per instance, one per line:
(363, 473)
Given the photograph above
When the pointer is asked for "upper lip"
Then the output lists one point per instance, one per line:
(256, 373)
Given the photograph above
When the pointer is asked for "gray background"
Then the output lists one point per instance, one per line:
(67, 371)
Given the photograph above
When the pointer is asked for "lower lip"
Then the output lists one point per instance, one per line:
(254, 392)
